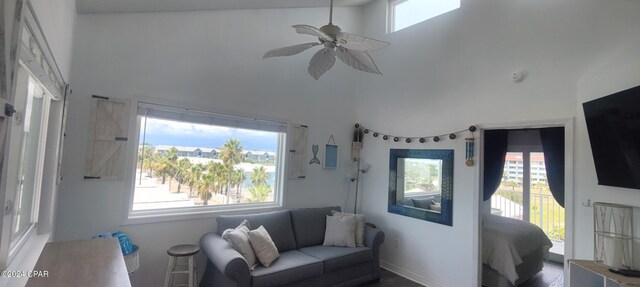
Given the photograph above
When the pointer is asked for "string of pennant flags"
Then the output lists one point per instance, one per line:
(470, 141)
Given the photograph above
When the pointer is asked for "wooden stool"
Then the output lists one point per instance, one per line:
(186, 250)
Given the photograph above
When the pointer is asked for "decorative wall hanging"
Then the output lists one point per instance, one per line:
(470, 145)
(315, 159)
(331, 154)
(356, 145)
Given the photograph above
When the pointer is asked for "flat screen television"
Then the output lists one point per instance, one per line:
(613, 123)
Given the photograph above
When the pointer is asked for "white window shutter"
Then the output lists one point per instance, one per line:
(296, 151)
(108, 136)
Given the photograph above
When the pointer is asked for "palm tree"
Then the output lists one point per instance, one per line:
(150, 162)
(512, 183)
(231, 154)
(144, 157)
(193, 177)
(237, 180)
(259, 176)
(145, 151)
(172, 161)
(259, 193)
(172, 154)
(203, 187)
(181, 171)
(162, 168)
(219, 174)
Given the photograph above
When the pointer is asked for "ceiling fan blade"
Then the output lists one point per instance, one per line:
(313, 31)
(359, 43)
(290, 50)
(321, 62)
(358, 60)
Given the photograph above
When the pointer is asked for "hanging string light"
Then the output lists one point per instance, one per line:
(469, 141)
(421, 139)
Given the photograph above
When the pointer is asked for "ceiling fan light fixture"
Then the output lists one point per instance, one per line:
(351, 49)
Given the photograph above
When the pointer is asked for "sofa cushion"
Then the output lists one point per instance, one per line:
(263, 245)
(335, 258)
(360, 222)
(239, 240)
(277, 223)
(341, 231)
(309, 224)
(292, 266)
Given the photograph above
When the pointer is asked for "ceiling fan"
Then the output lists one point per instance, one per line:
(350, 48)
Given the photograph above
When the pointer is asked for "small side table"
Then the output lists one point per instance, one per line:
(175, 252)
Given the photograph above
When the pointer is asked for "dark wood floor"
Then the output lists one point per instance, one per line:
(390, 279)
(550, 276)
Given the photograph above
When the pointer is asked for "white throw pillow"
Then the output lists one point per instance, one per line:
(360, 222)
(238, 238)
(263, 246)
(340, 231)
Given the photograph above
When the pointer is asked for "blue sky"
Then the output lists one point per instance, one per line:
(165, 132)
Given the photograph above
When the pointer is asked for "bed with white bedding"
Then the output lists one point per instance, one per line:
(512, 251)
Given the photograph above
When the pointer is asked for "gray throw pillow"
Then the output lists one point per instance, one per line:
(238, 238)
(263, 246)
(340, 231)
(360, 221)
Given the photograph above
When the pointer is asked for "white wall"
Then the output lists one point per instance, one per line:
(611, 71)
(57, 19)
(211, 60)
(454, 70)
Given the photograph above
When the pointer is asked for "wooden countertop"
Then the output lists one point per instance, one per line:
(95, 262)
(604, 271)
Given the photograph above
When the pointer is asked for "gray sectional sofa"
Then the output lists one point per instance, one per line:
(298, 234)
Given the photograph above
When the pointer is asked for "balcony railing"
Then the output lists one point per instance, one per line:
(544, 211)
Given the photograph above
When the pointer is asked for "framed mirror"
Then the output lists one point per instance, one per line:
(421, 184)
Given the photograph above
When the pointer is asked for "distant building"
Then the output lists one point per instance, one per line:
(514, 166)
(184, 151)
(256, 156)
(259, 156)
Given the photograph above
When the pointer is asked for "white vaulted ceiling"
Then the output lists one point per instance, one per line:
(126, 6)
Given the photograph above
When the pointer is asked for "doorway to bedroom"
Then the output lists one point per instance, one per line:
(523, 208)
(525, 193)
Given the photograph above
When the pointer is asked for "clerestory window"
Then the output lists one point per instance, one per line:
(405, 13)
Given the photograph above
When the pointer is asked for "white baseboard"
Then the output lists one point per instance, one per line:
(408, 274)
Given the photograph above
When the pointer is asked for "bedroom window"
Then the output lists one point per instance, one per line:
(194, 161)
(405, 13)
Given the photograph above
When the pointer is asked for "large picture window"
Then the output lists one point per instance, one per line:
(190, 160)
